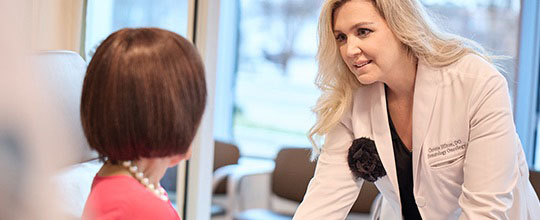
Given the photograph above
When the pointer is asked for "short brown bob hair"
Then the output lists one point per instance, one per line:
(143, 95)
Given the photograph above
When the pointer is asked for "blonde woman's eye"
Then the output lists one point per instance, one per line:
(341, 38)
(363, 31)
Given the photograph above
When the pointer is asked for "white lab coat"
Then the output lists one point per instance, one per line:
(468, 162)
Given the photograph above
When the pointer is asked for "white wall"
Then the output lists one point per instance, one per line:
(28, 142)
(56, 24)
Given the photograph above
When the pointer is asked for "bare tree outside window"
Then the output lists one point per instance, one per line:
(293, 15)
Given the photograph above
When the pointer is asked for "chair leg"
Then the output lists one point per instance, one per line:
(233, 195)
(376, 207)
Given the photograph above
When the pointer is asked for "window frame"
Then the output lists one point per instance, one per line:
(195, 175)
(526, 99)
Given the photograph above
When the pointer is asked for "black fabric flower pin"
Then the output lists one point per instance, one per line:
(364, 160)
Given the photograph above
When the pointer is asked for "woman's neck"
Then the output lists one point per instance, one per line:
(400, 83)
(152, 168)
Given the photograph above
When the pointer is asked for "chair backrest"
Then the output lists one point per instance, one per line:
(224, 154)
(534, 177)
(63, 75)
(293, 172)
(365, 199)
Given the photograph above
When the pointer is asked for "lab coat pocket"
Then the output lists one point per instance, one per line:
(448, 162)
(445, 160)
(448, 177)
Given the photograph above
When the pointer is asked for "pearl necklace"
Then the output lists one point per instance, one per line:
(157, 190)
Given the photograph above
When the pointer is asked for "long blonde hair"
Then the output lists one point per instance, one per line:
(410, 23)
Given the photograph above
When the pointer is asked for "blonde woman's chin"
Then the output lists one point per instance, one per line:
(366, 79)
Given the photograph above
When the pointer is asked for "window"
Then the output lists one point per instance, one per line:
(492, 23)
(275, 74)
(107, 16)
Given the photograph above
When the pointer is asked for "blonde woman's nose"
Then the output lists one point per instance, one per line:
(353, 48)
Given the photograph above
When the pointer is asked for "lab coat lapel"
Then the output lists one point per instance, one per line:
(381, 133)
(425, 94)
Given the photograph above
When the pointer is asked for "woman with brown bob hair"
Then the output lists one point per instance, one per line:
(142, 101)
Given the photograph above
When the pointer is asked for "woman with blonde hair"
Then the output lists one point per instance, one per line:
(421, 113)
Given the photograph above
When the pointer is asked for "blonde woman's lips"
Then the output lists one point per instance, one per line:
(361, 64)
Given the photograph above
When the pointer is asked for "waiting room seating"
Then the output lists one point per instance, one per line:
(289, 180)
(226, 157)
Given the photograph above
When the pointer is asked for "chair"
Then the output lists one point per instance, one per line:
(226, 157)
(289, 180)
(365, 201)
(62, 74)
(534, 177)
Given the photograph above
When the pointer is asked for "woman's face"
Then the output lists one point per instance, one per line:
(366, 44)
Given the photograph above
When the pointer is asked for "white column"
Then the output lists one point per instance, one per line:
(227, 62)
(199, 168)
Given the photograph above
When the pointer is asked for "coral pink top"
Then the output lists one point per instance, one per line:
(123, 197)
